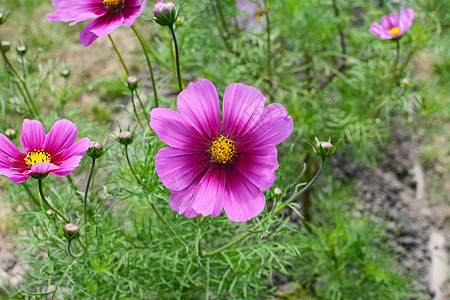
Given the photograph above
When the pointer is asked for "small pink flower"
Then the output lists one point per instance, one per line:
(212, 165)
(393, 26)
(108, 15)
(250, 13)
(55, 152)
(163, 8)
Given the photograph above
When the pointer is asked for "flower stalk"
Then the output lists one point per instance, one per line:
(41, 192)
(119, 55)
(177, 58)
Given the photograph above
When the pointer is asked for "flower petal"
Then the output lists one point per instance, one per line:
(386, 23)
(406, 19)
(258, 165)
(199, 105)
(244, 200)
(393, 17)
(210, 194)
(105, 24)
(70, 158)
(131, 11)
(43, 167)
(60, 137)
(181, 201)
(273, 127)
(32, 136)
(175, 131)
(80, 10)
(177, 168)
(242, 107)
(12, 161)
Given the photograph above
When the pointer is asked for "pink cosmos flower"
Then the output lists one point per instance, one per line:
(55, 152)
(212, 165)
(393, 26)
(249, 16)
(108, 15)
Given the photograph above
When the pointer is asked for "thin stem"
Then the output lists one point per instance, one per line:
(341, 32)
(269, 44)
(224, 32)
(145, 48)
(161, 217)
(177, 58)
(147, 116)
(48, 204)
(135, 110)
(24, 67)
(394, 69)
(130, 165)
(69, 250)
(259, 226)
(88, 183)
(119, 55)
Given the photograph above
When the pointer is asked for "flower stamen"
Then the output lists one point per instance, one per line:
(394, 31)
(223, 150)
(113, 5)
(37, 156)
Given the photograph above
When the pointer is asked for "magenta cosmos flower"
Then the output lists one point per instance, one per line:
(249, 15)
(55, 152)
(393, 26)
(108, 15)
(209, 165)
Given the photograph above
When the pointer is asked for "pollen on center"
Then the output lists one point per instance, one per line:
(113, 4)
(37, 156)
(223, 150)
(394, 31)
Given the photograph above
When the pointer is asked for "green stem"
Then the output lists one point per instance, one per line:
(224, 32)
(119, 55)
(394, 69)
(269, 45)
(161, 217)
(147, 116)
(69, 250)
(177, 57)
(145, 48)
(259, 226)
(24, 67)
(135, 110)
(48, 204)
(131, 166)
(88, 183)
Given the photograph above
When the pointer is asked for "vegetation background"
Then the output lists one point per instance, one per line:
(316, 57)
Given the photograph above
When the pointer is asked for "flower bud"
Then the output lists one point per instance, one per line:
(65, 73)
(6, 45)
(21, 50)
(125, 138)
(95, 149)
(132, 82)
(406, 82)
(324, 145)
(11, 133)
(3, 17)
(165, 13)
(323, 148)
(71, 229)
(277, 191)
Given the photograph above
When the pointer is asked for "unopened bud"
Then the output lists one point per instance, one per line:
(6, 45)
(95, 149)
(277, 191)
(125, 138)
(21, 50)
(132, 82)
(71, 229)
(165, 13)
(11, 133)
(324, 145)
(406, 81)
(65, 73)
(3, 17)
(50, 213)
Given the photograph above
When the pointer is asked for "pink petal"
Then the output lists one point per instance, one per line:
(273, 127)
(243, 200)
(175, 131)
(53, 17)
(80, 10)
(406, 19)
(105, 24)
(131, 11)
(182, 201)
(14, 175)
(199, 105)
(12, 161)
(210, 196)
(70, 158)
(258, 165)
(60, 137)
(43, 167)
(32, 136)
(242, 107)
(386, 23)
(393, 17)
(177, 168)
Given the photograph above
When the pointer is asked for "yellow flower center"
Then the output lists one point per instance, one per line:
(394, 31)
(37, 156)
(223, 150)
(113, 5)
